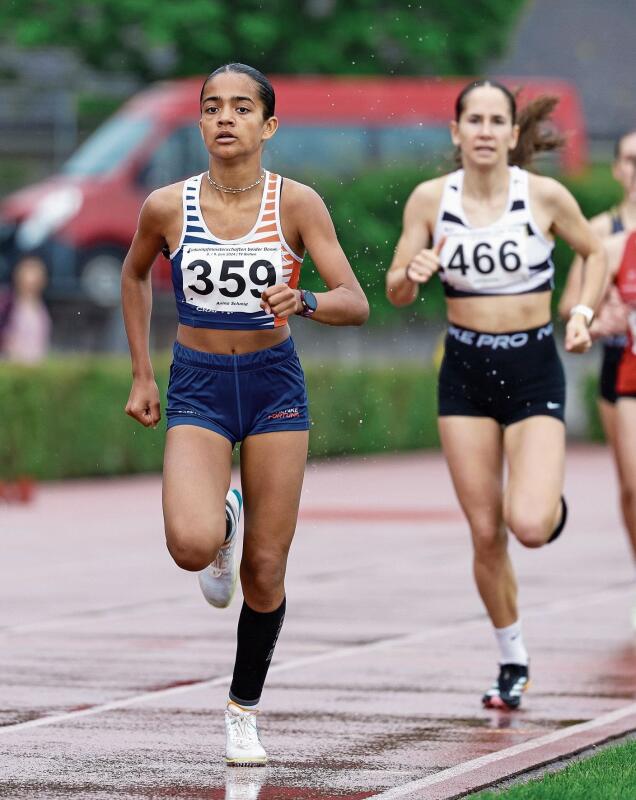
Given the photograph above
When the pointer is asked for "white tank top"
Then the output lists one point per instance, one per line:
(218, 282)
(511, 256)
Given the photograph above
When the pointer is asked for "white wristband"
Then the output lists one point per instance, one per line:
(584, 311)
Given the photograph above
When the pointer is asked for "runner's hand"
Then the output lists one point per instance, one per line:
(281, 301)
(612, 319)
(425, 264)
(143, 402)
(577, 335)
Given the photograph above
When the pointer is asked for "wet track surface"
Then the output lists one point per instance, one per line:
(115, 671)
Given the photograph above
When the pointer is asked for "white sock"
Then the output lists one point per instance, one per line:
(237, 708)
(511, 647)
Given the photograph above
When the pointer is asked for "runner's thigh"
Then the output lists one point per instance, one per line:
(626, 439)
(196, 478)
(272, 472)
(473, 451)
(535, 451)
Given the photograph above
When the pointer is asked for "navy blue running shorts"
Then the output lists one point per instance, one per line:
(505, 376)
(238, 395)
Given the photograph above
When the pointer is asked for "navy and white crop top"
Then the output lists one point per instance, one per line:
(218, 282)
(511, 256)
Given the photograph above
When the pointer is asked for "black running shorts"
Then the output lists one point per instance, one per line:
(505, 376)
(612, 353)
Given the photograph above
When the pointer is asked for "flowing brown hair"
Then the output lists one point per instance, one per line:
(536, 133)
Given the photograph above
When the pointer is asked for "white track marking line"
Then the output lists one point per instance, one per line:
(94, 614)
(329, 655)
(492, 758)
(143, 607)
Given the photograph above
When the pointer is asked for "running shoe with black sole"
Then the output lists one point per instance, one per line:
(513, 680)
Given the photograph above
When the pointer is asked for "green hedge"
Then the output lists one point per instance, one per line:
(367, 212)
(66, 419)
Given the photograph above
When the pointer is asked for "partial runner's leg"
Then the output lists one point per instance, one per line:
(473, 450)
(196, 478)
(535, 451)
(626, 456)
(272, 471)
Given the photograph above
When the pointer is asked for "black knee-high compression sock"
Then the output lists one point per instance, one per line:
(256, 639)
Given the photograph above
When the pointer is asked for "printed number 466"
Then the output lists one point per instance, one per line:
(484, 255)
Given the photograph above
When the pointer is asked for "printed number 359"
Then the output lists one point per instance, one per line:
(261, 273)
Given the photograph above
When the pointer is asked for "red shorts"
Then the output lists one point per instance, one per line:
(626, 377)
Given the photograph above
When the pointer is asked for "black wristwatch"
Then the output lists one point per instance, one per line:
(308, 302)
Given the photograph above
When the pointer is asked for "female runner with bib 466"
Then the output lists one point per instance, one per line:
(501, 383)
(236, 236)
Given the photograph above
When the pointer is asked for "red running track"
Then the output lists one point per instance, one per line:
(115, 671)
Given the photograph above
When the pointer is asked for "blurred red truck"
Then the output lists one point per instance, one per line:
(81, 220)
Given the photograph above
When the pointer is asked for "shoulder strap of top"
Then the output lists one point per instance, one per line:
(519, 184)
(452, 193)
(269, 206)
(277, 188)
(453, 184)
(190, 205)
(266, 213)
(450, 204)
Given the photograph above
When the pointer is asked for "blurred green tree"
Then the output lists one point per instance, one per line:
(154, 39)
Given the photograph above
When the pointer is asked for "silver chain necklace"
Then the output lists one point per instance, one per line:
(230, 189)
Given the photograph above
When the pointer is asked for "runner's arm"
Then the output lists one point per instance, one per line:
(572, 289)
(612, 317)
(344, 302)
(413, 262)
(136, 298)
(569, 223)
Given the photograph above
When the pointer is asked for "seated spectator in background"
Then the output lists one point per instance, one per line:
(25, 323)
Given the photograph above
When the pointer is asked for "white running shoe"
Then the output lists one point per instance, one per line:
(218, 580)
(243, 748)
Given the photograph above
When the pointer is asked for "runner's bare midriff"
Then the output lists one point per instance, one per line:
(500, 314)
(229, 342)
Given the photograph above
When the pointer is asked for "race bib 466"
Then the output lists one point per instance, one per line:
(230, 278)
(484, 259)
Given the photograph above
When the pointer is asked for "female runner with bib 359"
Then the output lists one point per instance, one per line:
(501, 383)
(236, 235)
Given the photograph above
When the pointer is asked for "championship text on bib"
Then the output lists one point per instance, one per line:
(485, 259)
(230, 277)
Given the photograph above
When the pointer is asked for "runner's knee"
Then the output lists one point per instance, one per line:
(488, 536)
(262, 576)
(194, 548)
(531, 527)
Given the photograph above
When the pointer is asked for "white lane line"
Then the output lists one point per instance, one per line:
(542, 609)
(94, 614)
(144, 607)
(492, 758)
